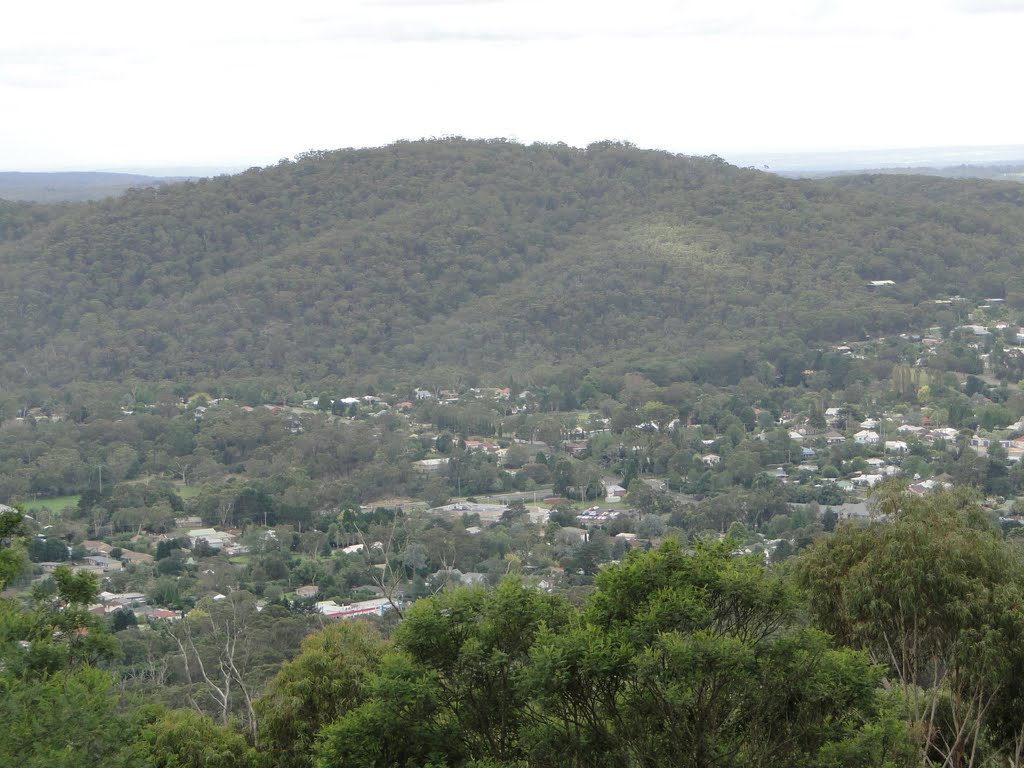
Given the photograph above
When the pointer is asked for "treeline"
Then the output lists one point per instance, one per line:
(895, 643)
(329, 462)
(424, 263)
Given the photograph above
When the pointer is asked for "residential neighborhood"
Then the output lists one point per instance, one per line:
(591, 483)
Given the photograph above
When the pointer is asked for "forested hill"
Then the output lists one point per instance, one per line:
(425, 262)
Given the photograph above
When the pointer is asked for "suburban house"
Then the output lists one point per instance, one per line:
(486, 446)
(431, 465)
(867, 480)
(944, 433)
(613, 492)
(161, 614)
(926, 486)
(214, 538)
(866, 437)
(116, 601)
(105, 564)
(128, 557)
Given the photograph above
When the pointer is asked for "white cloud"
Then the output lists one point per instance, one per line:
(989, 6)
(119, 83)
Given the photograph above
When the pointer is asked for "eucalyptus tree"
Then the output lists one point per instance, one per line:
(934, 594)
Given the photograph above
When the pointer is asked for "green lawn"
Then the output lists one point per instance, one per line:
(187, 491)
(60, 503)
(56, 504)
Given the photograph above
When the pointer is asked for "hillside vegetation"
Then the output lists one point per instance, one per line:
(427, 262)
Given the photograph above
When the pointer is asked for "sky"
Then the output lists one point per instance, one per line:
(133, 85)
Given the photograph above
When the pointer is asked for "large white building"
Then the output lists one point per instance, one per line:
(332, 610)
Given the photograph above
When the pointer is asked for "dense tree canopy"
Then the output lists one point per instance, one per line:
(934, 594)
(680, 658)
(427, 262)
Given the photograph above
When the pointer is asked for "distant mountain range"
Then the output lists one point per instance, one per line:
(72, 186)
(972, 162)
(438, 262)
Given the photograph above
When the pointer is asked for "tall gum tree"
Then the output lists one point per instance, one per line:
(932, 592)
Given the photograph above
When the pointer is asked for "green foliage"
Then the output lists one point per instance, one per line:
(884, 742)
(184, 739)
(76, 589)
(122, 619)
(12, 555)
(663, 670)
(477, 643)
(679, 658)
(58, 633)
(326, 681)
(396, 725)
(934, 593)
(64, 720)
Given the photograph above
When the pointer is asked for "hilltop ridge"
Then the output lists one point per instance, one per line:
(444, 259)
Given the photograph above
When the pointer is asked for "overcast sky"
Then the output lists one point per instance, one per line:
(111, 84)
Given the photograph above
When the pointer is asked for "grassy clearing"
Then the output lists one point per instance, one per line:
(56, 504)
(60, 503)
(187, 491)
